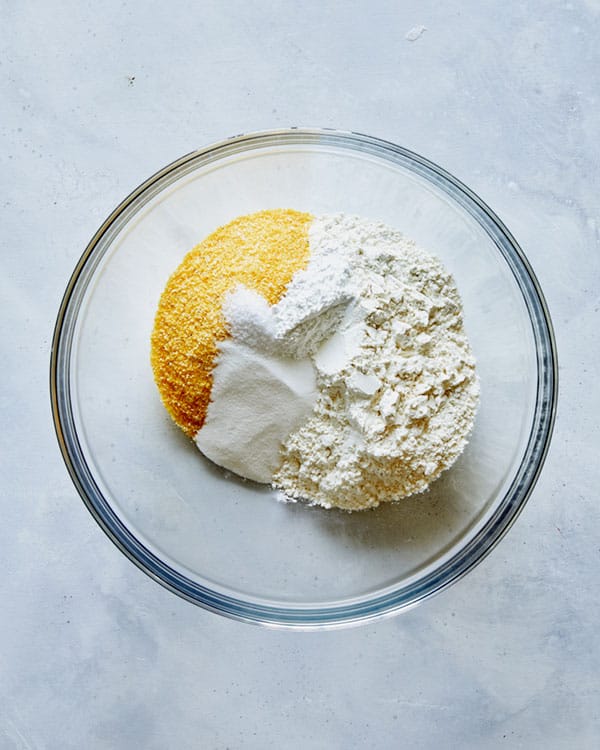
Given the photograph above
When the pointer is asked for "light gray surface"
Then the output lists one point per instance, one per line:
(94, 99)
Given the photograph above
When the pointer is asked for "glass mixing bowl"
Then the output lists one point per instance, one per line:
(226, 544)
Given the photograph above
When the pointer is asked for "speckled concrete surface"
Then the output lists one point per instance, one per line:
(94, 99)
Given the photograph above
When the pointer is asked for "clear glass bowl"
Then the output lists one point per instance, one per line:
(226, 544)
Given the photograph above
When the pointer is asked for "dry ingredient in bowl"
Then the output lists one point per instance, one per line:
(354, 386)
(396, 411)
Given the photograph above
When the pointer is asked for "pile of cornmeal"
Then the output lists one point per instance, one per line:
(323, 355)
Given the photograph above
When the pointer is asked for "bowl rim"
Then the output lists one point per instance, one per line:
(289, 616)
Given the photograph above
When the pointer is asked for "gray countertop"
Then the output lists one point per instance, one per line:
(93, 654)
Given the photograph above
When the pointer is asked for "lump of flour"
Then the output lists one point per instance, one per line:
(397, 385)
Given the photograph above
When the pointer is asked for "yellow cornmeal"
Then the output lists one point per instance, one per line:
(263, 251)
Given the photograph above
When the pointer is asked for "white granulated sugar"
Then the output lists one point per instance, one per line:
(397, 385)
(239, 433)
(250, 318)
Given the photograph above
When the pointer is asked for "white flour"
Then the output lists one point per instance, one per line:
(397, 386)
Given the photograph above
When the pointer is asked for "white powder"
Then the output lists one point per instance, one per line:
(397, 386)
(257, 400)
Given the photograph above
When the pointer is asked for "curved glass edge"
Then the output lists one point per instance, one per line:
(358, 612)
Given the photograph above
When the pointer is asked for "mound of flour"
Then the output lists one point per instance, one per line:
(396, 382)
